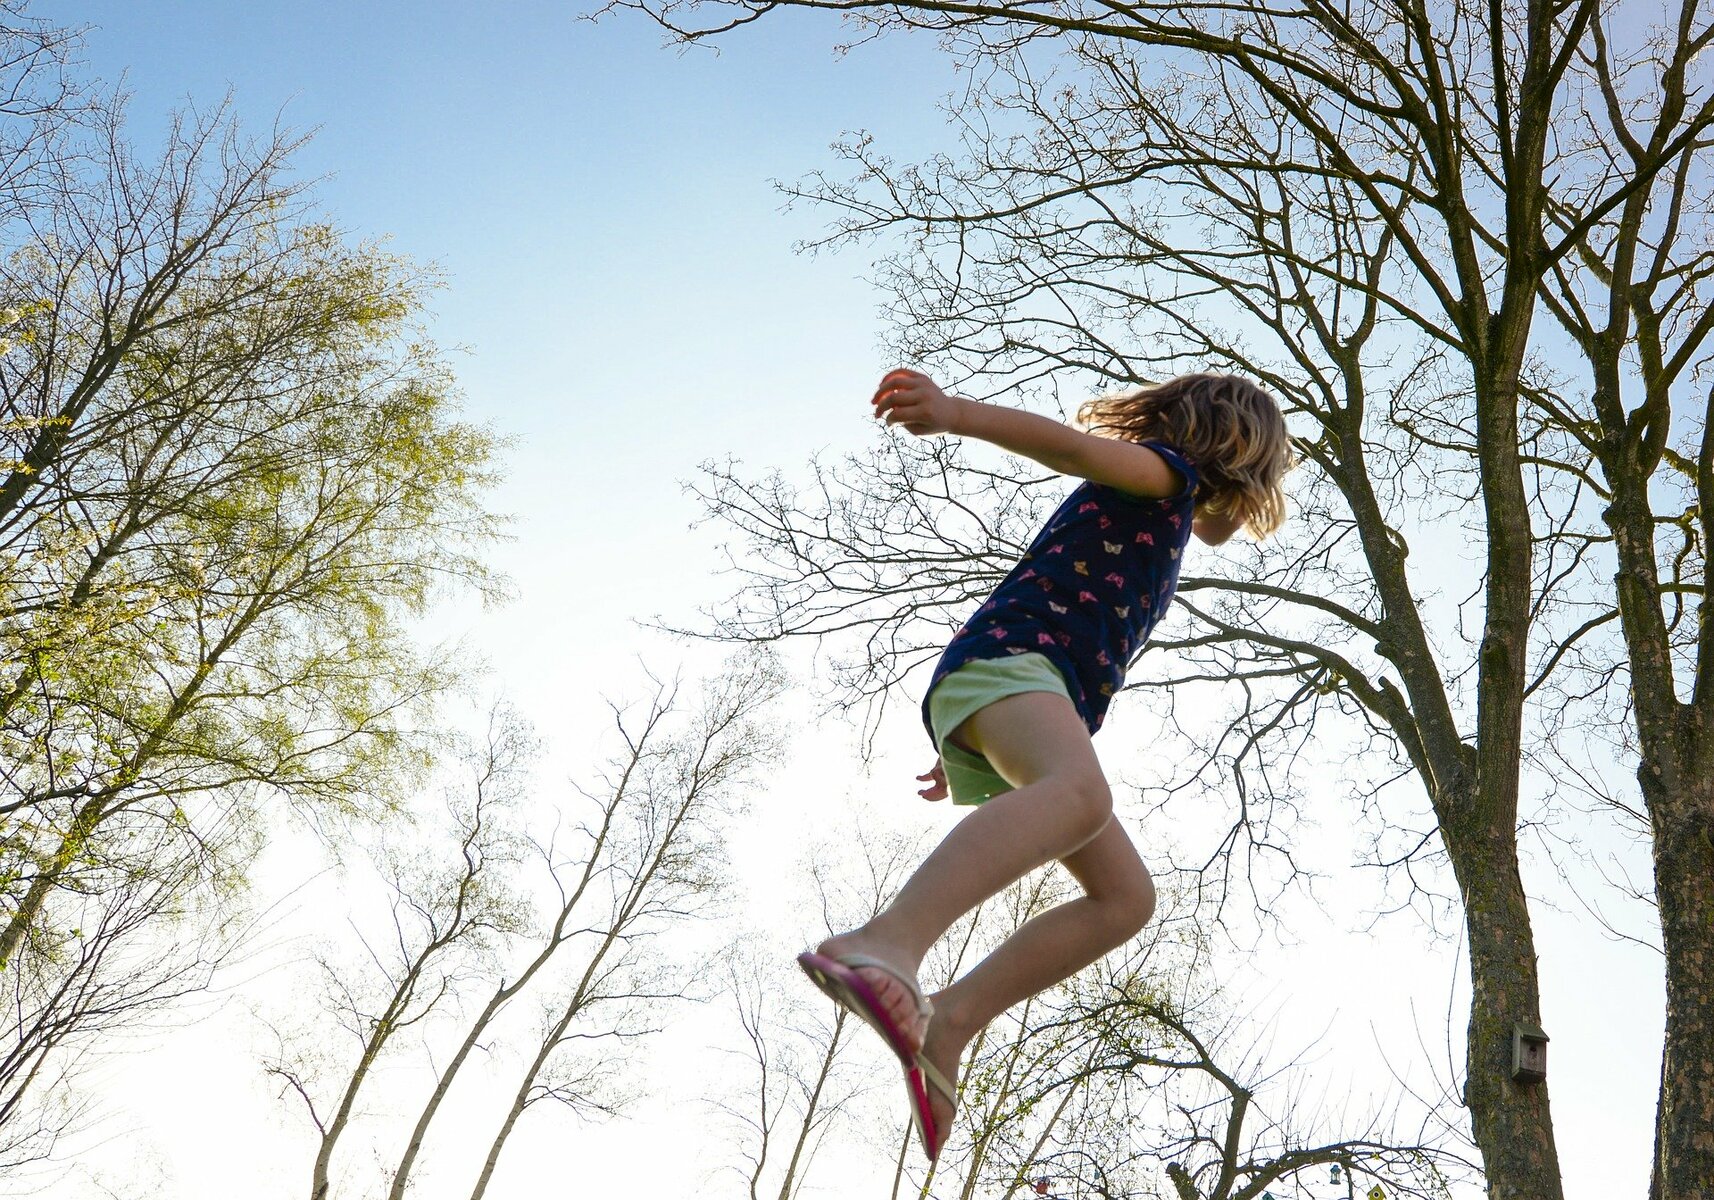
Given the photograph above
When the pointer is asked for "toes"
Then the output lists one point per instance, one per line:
(900, 1005)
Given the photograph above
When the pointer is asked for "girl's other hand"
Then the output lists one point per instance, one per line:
(936, 780)
(912, 399)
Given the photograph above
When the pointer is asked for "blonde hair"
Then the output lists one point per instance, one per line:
(1229, 429)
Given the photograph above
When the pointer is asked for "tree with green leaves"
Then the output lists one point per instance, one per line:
(1467, 244)
(231, 471)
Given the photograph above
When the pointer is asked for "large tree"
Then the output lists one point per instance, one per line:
(231, 471)
(1371, 207)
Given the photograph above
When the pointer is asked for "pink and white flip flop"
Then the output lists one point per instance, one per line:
(838, 979)
(919, 1079)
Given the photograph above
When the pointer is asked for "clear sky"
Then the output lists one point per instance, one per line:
(621, 280)
(602, 209)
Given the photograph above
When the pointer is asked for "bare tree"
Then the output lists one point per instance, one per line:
(1631, 291)
(39, 97)
(657, 858)
(798, 1095)
(1134, 1077)
(1367, 207)
(569, 921)
(1183, 1100)
(806, 1086)
(153, 931)
(1130, 1080)
(451, 910)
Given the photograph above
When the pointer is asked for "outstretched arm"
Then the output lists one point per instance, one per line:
(912, 399)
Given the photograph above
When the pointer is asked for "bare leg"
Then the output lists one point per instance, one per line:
(1118, 901)
(1037, 742)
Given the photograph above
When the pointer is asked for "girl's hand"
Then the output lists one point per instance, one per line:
(912, 399)
(936, 780)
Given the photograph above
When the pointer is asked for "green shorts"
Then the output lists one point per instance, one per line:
(976, 685)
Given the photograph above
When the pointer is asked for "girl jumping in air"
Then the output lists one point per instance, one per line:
(1022, 686)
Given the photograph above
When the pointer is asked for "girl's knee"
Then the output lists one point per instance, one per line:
(1091, 800)
(1142, 904)
(1130, 905)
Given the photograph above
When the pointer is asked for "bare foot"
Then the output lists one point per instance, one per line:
(901, 1006)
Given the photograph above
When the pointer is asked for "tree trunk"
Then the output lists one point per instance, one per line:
(811, 1105)
(1682, 807)
(1676, 777)
(1511, 1122)
(520, 1101)
(443, 1084)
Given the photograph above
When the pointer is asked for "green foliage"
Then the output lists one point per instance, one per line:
(232, 471)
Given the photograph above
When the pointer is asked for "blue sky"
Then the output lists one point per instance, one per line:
(621, 283)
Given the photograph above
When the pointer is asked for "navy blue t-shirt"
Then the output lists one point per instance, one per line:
(1088, 591)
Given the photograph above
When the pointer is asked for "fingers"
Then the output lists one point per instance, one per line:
(911, 413)
(897, 383)
(892, 398)
(936, 780)
(912, 400)
(903, 403)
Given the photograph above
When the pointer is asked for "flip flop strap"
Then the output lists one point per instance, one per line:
(924, 1008)
(936, 1080)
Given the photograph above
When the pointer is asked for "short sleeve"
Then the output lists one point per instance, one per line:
(1179, 463)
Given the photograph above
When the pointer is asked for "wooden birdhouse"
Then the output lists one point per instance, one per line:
(1529, 1053)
